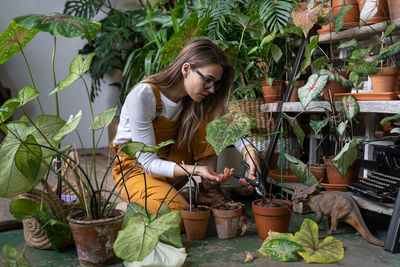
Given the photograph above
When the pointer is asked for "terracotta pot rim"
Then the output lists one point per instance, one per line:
(237, 206)
(387, 71)
(71, 218)
(186, 209)
(288, 202)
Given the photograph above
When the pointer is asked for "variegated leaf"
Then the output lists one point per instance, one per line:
(342, 127)
(318, 125)
(347, 156)
(368, 11)
(335, 76)
(301, 170)
(350, 106)
(353, 43)
(340, 17)
(305, 19)
(312, 89)
(296, 128)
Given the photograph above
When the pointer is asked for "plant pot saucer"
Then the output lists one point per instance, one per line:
(334, 187)
(288, 175)
(372, 95)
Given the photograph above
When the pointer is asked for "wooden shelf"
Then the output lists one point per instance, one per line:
(389, 106)
(360, 33)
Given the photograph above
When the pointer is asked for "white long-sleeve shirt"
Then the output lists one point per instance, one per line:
(137, 115)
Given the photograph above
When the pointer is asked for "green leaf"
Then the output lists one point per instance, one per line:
(296, 127)
(388, 52)
(301, 170)
(8, 108)
(342, 127)
(60, 24)
(69, 126)
(132, 209)
(312, 89)
(340, 17)
(347, 156)
(26, 94)
(131, 148)
(13, 258)
(281, 250)
(353, 43)
(77, 68)
(328, 251)
(368, 11)
(23, 209)
(28, 158)
(13, 39)
(350, 106)
(387, 119)
(103, 119)
(335, 76)
(276, 52)
(227, 129)
(318, 125)
(305, 19)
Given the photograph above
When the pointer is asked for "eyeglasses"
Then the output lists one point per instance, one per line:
(208, 83)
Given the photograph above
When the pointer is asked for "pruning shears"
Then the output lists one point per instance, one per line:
(253, 180)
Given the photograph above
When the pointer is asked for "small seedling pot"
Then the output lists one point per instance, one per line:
(227, 219)
(196, 221)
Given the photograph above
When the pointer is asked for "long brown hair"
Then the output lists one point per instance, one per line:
(198, 52)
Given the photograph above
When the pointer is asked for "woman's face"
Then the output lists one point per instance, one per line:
(197, 80)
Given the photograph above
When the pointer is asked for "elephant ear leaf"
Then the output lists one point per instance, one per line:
(296, 128)
(305, 19)
(312, 89)
(368, 11)
(281, 250)
(350, 106)
(328, 251)
(301, 171)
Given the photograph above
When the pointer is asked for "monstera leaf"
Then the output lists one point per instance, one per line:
(296, 128)
(13, 40)
(347, 156)
(60, 25)
(131, 148)
(305, 19)
(328, 251)
(312, 89)
(301, 170)
(227, 129)
(350, 106)
(368, 11)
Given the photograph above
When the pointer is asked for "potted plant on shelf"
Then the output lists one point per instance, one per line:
(31, 145)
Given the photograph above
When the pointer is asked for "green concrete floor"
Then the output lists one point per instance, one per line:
(217, 252)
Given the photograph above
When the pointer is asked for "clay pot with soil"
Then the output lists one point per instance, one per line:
(94, 238)
(271, 215)
(227, 217)
(196, 221)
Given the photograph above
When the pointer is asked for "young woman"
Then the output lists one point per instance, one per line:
(176, 103)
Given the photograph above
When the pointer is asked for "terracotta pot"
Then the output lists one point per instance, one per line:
(352, 17)
(336, 88)
(268, 218)
(319, 172)
(334, 176)
(334, 187)
(272, 93)
(386, 80)
(394, 9)
(327, 28)
(227, 220)
(196, 222)
(381, 15)
(294, 97)
(94, 239)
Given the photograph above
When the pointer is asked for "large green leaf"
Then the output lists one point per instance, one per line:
(296, 128)
(227, 129)
(48, 126)
(312, 89)
(347, 156)
(103, 119)
(301, 170)
(368, 11)
(13, 39)
(131, 210)
(305, 19)
(282, 250)
(77, 68)
(318, 125)
(26, 94)
(140, 237)
(23, 209)
(350, 106)
(8, 108)
(13, 258)
(60, 24)
(328, 251)
(28, 158)
(69, 126)
(131, 148)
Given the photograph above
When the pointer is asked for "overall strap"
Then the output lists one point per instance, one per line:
(158, 99)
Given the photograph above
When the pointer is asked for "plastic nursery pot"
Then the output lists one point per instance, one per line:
(227, 219)
(385, 80)
(94, 238)
(334, 176)
(196, 221)
(275, 217)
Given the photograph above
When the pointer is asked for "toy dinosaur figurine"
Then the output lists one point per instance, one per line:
(337, 206)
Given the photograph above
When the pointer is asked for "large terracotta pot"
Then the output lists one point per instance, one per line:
(334, 176)
(386, 80)
(94, 238)
(336, 88)
(272, 93)
(294, 97)
(352, 17)
(276, 219)
(227, 219)
(196, 221)
(394, 9)
(381, 15)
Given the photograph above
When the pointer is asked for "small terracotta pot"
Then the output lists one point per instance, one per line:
(294, 97)
(272, 93)
(334, 176)
(394, 9)
(196, 222)
(352, 17)
(227, 220)
(319, 172)
(267, 218)
(381, 15)
(336, 88)
(94, 239)
(386, 80)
